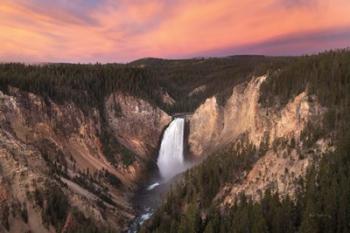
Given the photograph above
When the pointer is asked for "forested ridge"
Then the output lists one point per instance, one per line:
(88, 84)
(85, 85)
(326, 76)
(322, 202)
(217, 76)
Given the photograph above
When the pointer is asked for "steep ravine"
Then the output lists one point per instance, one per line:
(45, 144)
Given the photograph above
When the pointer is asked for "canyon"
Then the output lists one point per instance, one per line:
(69, 165)
(32, 127)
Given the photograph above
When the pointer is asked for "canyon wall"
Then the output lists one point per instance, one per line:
(136, 123)
(44, 143)
(279, 129)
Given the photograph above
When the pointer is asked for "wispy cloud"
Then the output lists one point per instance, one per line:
(300, 3)
(110, 30)
(60, 12)
(290, 44)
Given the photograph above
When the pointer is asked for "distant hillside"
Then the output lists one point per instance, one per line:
(217, 75)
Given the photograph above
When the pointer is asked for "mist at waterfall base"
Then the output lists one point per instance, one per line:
(170, 163)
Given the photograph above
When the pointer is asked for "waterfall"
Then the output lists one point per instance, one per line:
(170, 163)
(171, 159)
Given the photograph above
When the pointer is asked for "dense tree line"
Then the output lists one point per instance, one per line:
(217, 75)
(326, 76)
(86, 85)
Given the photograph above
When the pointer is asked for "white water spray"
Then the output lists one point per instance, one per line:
(170, 163)
(171, 156)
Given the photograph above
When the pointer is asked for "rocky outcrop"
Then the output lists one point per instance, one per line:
(45, 142)
(167, 99)
(213, 126)
(205, 127)
(197, 90)
(136, 123)
(278, 170)
(22, 171)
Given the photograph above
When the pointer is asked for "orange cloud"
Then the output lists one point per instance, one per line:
(108, 30)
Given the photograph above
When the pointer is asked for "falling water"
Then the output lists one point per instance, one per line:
(171, 157)
(170, 163)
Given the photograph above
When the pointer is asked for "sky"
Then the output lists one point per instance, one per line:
(124, 30)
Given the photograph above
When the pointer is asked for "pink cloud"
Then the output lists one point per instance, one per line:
(108, 30)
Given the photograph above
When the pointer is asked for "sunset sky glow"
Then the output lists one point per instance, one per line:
(124, 30)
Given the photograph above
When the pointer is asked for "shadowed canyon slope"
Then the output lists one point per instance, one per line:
(133, 120)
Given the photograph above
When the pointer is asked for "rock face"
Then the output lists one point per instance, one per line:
(197, 90)
(167, 99)
(43, 143)
(205, 127)
(278, 170)
(134, 120)
(213, 126)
